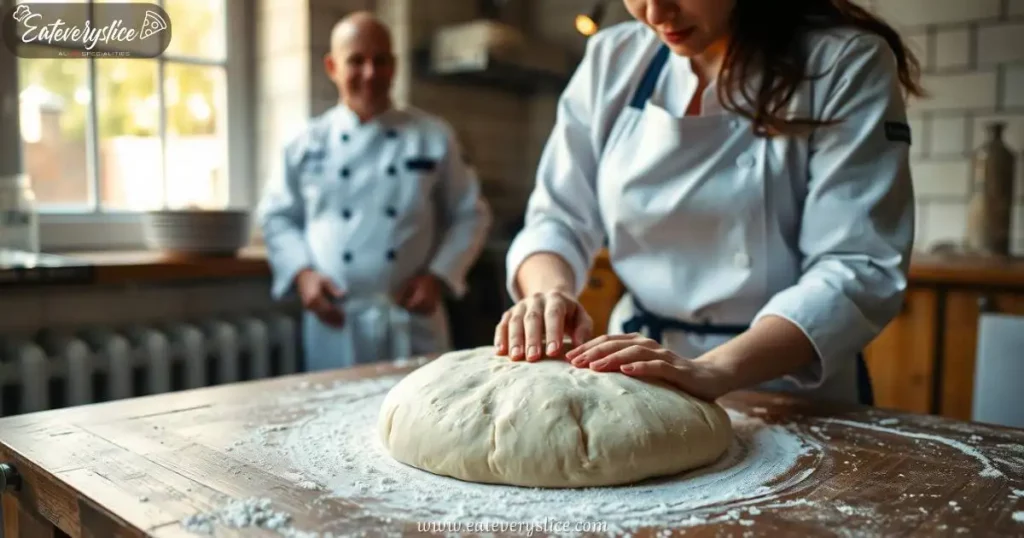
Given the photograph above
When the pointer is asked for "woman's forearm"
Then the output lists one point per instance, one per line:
(543, 272)
(772, 348)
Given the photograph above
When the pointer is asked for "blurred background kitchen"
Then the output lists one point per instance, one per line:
(112, 309)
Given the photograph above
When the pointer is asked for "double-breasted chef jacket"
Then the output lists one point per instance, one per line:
(371, 205)
(709, 225)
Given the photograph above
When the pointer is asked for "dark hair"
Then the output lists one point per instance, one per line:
(768, 38)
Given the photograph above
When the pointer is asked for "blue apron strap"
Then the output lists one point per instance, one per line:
(865, 392)
(650, 80)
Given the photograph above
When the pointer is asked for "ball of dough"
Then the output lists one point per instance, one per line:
(478, 417)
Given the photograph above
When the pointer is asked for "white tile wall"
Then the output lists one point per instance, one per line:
(1013, 87)
(942, 179)
(974, 69)
(952, 48)
(945, 222)
(960, 91)
(917, 130)
(948, 135)
(1001, 43)
(910, 13)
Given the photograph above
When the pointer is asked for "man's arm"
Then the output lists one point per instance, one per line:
(281, 216)
(465, 219)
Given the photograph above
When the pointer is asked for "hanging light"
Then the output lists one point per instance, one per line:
(588, 24)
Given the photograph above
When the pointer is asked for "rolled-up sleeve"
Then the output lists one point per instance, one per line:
(465, 219)
(857, 224)
(281, 216)
(562, 215)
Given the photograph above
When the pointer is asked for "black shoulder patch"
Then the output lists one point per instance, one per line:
(897, 131)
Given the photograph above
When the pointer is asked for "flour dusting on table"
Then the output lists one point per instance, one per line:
(338, 447)
(988, 470)
(324, 439)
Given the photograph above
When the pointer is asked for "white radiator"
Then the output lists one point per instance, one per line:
(100, 364)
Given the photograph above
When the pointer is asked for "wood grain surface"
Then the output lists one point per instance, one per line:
(138, 467)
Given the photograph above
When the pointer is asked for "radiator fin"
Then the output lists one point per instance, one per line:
(94, 364)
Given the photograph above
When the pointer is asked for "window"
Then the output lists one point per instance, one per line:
(104, 139)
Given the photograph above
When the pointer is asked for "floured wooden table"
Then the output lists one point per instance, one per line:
(298, 457)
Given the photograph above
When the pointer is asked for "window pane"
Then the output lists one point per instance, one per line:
(54, 114)
(197, 138)
(131, 157)
(197, 28)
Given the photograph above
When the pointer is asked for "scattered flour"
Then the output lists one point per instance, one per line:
(238, 514)
(332, 448)
(337, 446)
(987, 471)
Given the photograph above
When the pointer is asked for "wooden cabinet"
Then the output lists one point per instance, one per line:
(900, 360)
(603, 290)
(924, 360)
(963, 310)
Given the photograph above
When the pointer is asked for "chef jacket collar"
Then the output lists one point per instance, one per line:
(345, 118)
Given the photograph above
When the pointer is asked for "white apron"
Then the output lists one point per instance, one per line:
(375, 329)
(659, 171)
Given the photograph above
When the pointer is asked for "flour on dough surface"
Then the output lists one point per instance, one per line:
(479, 417)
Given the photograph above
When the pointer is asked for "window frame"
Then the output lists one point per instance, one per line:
(98, 229)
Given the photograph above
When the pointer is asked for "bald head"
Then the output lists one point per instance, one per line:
(360, 27)
(361, 63)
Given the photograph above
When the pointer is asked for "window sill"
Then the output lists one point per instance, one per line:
(149, 267)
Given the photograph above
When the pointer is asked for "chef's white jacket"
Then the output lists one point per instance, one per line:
(371, 205)
(707, 223)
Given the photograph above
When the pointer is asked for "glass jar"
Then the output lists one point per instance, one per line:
(19, 216)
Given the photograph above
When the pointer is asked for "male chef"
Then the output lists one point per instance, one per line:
(374, 202)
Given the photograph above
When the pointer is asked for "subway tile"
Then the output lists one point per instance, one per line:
(1013, 87)
(917, 42)
(948, 135)
(946, 221)
(917, 132)
(911, 13)
(920, 235)
(1000, 43)
(952, 49)
(940, 178)
(1017, 230)
(959, 91)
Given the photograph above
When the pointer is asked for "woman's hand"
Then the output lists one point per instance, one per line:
(537, 325)
(635, 355)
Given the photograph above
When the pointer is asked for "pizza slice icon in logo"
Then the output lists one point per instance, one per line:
(153, 24)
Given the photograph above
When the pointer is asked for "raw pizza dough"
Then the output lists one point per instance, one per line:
(479, 417)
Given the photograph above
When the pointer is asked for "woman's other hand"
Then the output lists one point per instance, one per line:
(536, 326)
(638, 356)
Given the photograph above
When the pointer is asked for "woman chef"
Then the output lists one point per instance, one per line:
(747, 163)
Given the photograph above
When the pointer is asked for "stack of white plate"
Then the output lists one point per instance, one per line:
(197, 232)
